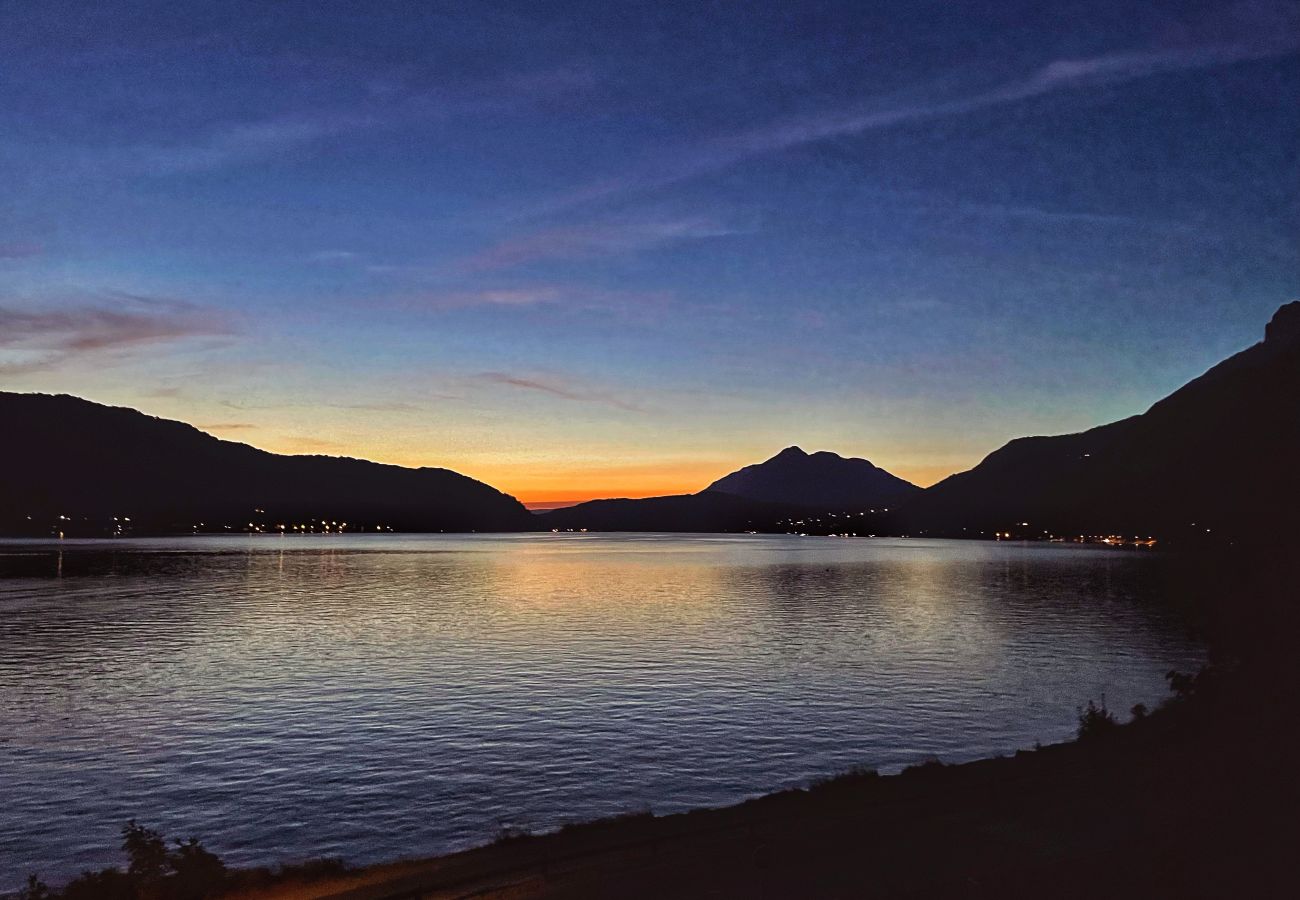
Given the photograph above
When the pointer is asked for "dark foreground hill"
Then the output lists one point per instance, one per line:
(1220, 455)
(63, 456)
(821, 480)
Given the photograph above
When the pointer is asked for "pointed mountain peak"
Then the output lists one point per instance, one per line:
(822, 480)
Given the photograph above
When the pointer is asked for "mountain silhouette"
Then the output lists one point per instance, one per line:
(821, 480)
(1222, 454)
(1219, 455)
(766, 496)
(707, 511)
(65, 456)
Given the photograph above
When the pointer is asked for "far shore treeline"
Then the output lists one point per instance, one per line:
(1213, 461)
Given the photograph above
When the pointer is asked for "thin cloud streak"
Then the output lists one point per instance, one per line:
(37, 340)
(632, 304)
(592, 241)
(20, 250)
(334, 256)
(239, 142)
(1060, 75)
(246, 141)
(556, 390)
(222, 144)
(507, 298)
(356, 407)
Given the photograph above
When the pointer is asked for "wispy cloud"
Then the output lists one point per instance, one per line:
(233, 143)
(89, 329)
(1038, 214)
(20, 249)
(506, 298)
(390, 104)
(334, 256)
(633, 304)
(557, 388)
(37, 339)
(359, 407)
(247, 141)
(1057, 76)
(225, 426)
(593, 240)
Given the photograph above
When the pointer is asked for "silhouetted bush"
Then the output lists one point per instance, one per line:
(246, 880)
(106, 884)
(855, 775)
(34, 889)
(927, 767)
(146, 853)
(189, 872)
(1095, 720)
(1139, 711)
(1204, 684)
(197, 873)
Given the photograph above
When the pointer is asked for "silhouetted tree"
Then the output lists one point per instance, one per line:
(146, 853)
(198, 872)
(1095, 720)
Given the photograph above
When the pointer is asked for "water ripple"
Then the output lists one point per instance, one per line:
(375, 697)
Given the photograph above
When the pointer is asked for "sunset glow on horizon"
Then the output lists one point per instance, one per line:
(591, 252)
(564, 481)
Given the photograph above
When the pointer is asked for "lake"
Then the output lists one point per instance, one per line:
(380, 696)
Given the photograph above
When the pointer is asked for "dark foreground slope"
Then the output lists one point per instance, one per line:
(820, 480)
(1156, 809)
(1220, 453)
(63, 456)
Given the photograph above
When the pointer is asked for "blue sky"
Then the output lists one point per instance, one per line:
(595, 249)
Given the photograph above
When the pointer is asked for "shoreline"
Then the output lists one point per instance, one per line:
(1150, 808)
(1195, 799)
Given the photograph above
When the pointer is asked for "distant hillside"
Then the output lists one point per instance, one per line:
(821, 480)
(66, 456)
(1222, 452)
(704, 512)
(785, 493)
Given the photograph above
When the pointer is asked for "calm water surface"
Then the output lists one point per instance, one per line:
(372, 697)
